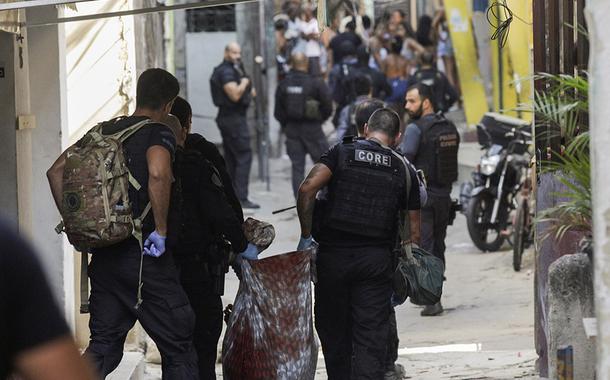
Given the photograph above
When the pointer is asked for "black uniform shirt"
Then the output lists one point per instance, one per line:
(207, 213)
(227, 74)
(346, 239)
(210, 152)
(135, 149)
(29, 316)
(335, 44)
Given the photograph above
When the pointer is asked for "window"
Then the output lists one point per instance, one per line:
(214, 19)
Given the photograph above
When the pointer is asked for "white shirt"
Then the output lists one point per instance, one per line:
(312, 48)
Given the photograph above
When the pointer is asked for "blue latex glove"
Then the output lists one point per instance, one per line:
(305, 243)
(250, 253)
(154, 245)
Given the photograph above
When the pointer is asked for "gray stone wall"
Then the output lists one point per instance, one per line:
(570, 299)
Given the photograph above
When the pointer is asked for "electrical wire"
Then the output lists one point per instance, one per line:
(499, 16)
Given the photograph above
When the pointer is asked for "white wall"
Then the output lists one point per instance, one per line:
(100, 66)
(47, 100)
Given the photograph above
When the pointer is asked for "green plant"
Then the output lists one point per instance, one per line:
(573, 212)
(564, 108)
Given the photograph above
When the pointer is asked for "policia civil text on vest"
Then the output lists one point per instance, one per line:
(438, 150)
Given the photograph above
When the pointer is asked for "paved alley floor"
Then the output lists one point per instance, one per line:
(486, 331)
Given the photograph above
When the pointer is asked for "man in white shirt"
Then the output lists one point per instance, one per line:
(308, 26)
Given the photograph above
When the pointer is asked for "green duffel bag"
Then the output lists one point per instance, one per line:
(418, 276)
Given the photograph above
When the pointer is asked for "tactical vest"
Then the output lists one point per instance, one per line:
(366, 190)
(298, 97)
(438, 150)
(219, 96)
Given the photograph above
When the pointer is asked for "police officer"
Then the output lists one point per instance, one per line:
(341, 77)
(302, 103)
(232, 92)
(443, 93)
(431, 143)
(347, 117)
(165, 312)
(379, 84)
(206, 220)
(183, 111)
(366, 190)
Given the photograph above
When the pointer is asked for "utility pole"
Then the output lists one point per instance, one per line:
(598, 12)
(250, 19)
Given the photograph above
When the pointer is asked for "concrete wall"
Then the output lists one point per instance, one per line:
(547, 251)
(204, 51)
(179, 49)
(48, 103)
(570, 299)
(598, 12)
(8, 164)
(148, 29)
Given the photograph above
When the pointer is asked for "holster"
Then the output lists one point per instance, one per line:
(218, 264)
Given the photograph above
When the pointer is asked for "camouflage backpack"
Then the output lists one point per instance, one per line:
(96, 209)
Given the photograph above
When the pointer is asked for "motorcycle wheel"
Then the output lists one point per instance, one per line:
(520, 234)
(478, 216)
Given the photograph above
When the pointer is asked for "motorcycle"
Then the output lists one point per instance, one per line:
(490, 197)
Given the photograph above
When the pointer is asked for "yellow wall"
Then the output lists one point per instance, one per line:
(459, 17)
(518, 67)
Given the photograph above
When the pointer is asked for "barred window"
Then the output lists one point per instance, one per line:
(214, 19)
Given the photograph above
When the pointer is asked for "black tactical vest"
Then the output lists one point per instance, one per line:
(219, 96)
(366, 190)
(296, 89)
(438, 150)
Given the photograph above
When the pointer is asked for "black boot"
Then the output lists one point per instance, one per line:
(432, 310)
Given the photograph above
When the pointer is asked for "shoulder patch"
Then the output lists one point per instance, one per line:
(372, 157)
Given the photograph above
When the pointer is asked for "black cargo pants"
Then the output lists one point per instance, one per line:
(352, 309)
(434, 221)
(207, 306)
(393, 342)
(165, 313)
(303, 139)
(237, 151)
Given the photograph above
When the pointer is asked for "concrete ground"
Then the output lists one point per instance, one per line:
(486, 331)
